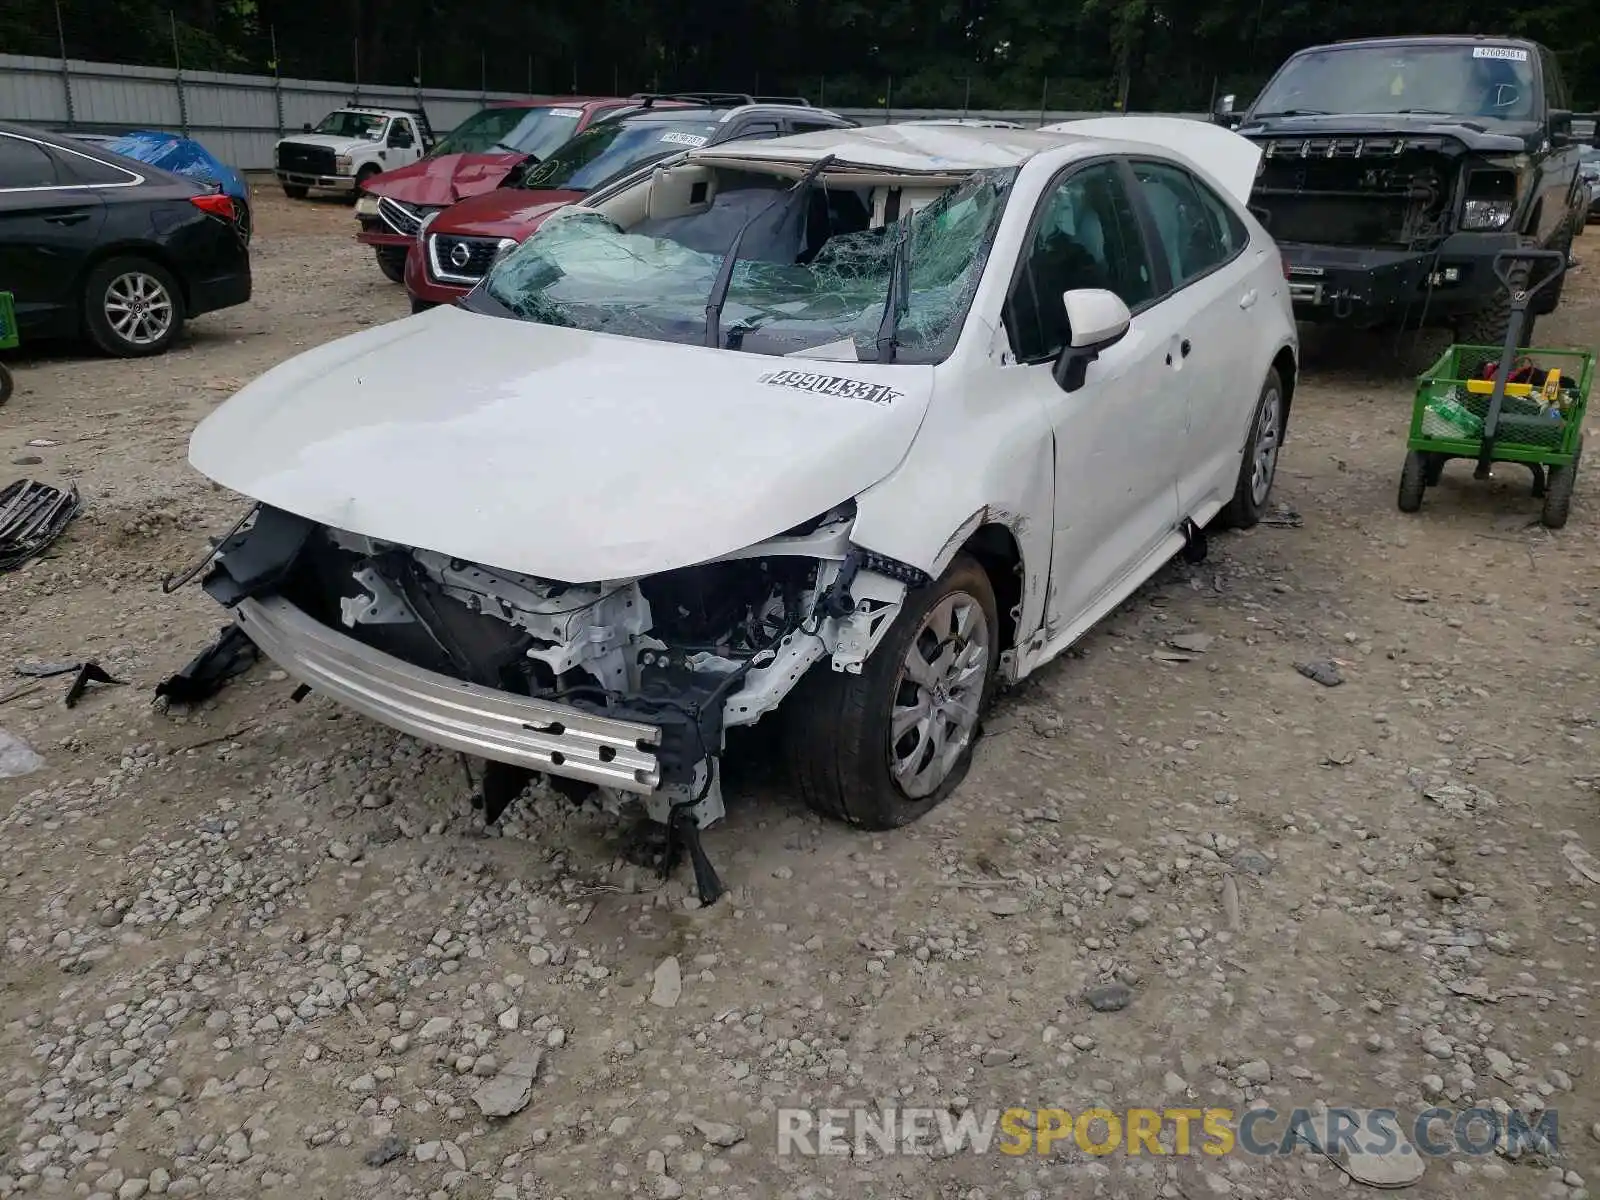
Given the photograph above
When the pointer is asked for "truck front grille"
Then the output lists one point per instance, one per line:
(455, 259)
(307, 160)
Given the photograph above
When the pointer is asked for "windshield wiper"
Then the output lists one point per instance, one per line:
(1292, 112)
(719, 288)
(899, 298)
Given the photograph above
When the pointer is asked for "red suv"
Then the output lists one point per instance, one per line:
(456, 248)
(472, 158)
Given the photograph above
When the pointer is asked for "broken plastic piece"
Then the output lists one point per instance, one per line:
(46, 670)
(231, 654)
(1322, 671)
(683, 833)
(32, 515)
(90, 672)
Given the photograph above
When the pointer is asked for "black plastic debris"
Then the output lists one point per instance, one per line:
(231, 654)
(32, 515)
(90, 672)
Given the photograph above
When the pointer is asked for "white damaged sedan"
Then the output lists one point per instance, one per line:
(858, 423)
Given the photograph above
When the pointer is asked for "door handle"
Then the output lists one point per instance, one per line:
(1185, 348)
(72, 218)
(1248, 300)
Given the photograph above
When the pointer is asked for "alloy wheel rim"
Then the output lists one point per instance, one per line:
(138, 308)
(937, 695)
(1264, 456)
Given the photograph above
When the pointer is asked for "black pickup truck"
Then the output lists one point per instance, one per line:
(1394, 169)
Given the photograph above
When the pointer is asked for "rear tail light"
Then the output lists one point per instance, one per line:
(218, 204)
(1284, 263)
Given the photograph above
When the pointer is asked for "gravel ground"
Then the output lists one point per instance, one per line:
(266, 949)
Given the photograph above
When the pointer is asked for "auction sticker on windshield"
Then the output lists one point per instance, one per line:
(683, 139)
(1511, 52)
(574, 113)
(832, 385)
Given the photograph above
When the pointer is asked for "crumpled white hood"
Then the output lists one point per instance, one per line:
(554, 452)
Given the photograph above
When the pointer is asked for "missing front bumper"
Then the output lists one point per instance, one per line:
(518, 730)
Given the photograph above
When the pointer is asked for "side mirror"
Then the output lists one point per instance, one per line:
(1223, 112)
(1560, 126)
(1098, 320)
(306, 128)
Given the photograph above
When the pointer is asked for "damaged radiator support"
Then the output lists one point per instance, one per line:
(619, 689)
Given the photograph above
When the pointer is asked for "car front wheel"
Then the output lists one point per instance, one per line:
(392, 262)
(132, 307)
(882, 748)
(1260, 465)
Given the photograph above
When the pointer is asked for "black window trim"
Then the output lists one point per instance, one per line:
(1152, 232)
(1160, 280)
(53, 152)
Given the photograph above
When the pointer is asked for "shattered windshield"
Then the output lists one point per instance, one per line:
(610, 148)
(1446, 80)
(353, 125)
(810, 272)
(535, 131)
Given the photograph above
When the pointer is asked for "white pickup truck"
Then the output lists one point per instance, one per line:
(348, 147)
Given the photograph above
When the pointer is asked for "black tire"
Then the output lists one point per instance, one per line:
(1433, 469)
(1245, 509)
(1413, 481)
(1489, 325)
(127, 275)
(422, 306)
(392, 262)
(296, 191)
(243, 218)
(1558, 491)
(838, 729)
(1547, 300)
(7, 385)
(362, 176)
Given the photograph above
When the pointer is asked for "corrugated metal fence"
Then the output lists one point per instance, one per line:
(239, 117)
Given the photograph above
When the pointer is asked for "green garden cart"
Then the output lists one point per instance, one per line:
(1504, 404)
(9, 340)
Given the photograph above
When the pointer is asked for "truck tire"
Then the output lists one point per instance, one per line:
(296, 191)
(366, 173)
(1489, 325)
(845, 757)
(392, 262)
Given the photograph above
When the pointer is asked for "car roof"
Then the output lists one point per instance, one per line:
(1443, 39)
(933, 148)
(556, 101)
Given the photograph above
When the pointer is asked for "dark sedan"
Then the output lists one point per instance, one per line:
(95, 244)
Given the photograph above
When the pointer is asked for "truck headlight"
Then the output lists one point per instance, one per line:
(504, 247)
(1486, 214)
(341, 165)
(367, 205)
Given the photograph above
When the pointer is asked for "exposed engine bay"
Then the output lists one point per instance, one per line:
(689, 652)
(1381, 190)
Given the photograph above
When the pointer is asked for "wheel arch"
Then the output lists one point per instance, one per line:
(1288, 368)
(999, 553)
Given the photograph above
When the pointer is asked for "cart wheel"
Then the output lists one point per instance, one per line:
(1413, 480)
(1558, 492)
(1433, 469)
(5, 384)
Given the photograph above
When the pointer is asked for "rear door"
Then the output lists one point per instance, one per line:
(1210, 355)
(49, 223)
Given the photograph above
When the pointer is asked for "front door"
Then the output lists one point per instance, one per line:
(1119, 438)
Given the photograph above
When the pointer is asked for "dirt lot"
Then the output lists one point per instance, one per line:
(266, 949)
